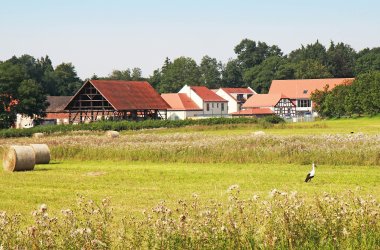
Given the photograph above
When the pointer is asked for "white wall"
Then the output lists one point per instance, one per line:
(215, 109)
(183, 114)
(192, 95)
(24, 121)
(232, 103)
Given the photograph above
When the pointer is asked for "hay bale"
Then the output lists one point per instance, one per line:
(38, 135)
(19, 158)
(112, 134)
(259, 133)
(42, 153)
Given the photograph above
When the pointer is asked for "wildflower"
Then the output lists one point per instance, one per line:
(43, 208)
(255, 197)
(233, 187)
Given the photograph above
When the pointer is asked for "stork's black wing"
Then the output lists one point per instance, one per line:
(308, 177)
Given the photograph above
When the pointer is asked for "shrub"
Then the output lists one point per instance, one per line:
(123, 125)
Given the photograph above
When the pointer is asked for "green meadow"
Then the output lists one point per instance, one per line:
(140, 169)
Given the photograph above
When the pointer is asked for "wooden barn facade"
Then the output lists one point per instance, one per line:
(115, 100)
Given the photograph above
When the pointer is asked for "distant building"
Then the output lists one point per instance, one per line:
(279, 104)
(299, 91)
(211, 104)
(236, 97)
(181, 106)
(112, 99)
(55, 112)
(253, 112)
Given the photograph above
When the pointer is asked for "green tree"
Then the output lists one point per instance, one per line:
(260, 76)
(249, 53)
(341, 60)
(232, 74)
(316, 52)
(183, 71)
(136, 74)
(68, 81)
(120, 75)
(311, 69)
(32, 100)
(367, 87)
(318, 98)
(210, 70)
(368, 60)
(18, 92)
(155, 79)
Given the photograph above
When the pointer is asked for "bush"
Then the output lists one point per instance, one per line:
(126, 125)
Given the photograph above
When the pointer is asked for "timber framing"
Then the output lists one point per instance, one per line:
(285, 107)
(89, 104)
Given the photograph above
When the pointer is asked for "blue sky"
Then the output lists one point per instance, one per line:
(98, 36)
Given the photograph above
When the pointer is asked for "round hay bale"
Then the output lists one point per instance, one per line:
(42, 153)
(112, 134)
(38, 135)
(259, 133)
(19, 158)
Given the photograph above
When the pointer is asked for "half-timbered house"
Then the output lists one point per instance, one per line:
(278, 103)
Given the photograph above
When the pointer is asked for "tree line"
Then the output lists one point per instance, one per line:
(360, 97)
(26, 81)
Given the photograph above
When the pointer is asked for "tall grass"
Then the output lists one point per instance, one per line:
(282, 221)
(351, 149)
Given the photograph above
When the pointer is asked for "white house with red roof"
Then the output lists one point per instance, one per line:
(236, 97)
(181, 106)
(299, 91)
(210, 104)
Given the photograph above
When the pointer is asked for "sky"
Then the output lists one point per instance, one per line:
(99, 36)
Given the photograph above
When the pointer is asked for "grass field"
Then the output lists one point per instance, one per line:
(142, 168)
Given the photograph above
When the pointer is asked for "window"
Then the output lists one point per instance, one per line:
(303, 103)
(208, 106)
(222, 106)
(212, 105)
(240, 97)
(217, 105)
(305, 91)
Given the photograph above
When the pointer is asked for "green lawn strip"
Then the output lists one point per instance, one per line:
(133, 187)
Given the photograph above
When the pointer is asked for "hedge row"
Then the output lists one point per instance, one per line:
(133, 125)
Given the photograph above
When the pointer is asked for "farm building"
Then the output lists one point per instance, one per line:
(181, 106)
(299, 91)
(210, 103)
(112, 99)
(236, 97)
(280, 104)
(55, 112)
(256, 112)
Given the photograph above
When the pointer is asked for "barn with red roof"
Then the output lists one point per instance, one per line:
(113, 99)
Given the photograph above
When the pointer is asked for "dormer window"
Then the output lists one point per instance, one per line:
(305, 91)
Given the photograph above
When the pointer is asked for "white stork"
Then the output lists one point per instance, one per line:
(311, 174)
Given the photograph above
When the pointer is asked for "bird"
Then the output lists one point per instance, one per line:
(311, 174)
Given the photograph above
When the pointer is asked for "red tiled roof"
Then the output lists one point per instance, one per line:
(57, 116)
(238, 90)
(297, 89)
(128, 95)
(255, 111)
(206, 94)
(263, 100)
(180, 101)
